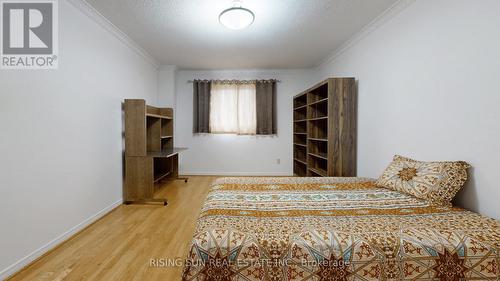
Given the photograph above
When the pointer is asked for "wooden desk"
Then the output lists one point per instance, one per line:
(173, 171)
(150, 156)
(169, 152)
(144, 173)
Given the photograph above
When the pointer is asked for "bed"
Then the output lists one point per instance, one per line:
(336, 229)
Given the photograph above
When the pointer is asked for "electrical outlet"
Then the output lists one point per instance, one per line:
(278, 161)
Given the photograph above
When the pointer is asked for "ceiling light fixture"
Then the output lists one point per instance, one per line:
(236, 17)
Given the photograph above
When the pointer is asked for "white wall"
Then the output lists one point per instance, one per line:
(166, 85)
(60, 143)
(428, 89)
(232, 154)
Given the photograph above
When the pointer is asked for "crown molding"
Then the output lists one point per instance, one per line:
(97, 17)
(380, 20)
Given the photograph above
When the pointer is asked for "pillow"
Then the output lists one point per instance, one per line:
(436, 182)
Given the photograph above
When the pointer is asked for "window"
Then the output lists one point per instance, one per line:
(233, 108)
(245, 107)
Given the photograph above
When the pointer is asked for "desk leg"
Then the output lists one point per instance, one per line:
(175, 169)
(184, 179)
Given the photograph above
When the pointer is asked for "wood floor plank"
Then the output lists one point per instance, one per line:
(120, 245)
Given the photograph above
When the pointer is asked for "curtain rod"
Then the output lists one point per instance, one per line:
(234, 80)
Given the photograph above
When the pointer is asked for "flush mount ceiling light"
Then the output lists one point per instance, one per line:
(236, 17)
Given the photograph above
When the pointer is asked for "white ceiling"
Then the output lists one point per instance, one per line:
(285, 34)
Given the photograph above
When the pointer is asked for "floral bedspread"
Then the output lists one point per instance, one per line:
(336, 229)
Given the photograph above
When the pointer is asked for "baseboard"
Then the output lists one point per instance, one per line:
(22, 263)
(235, 174)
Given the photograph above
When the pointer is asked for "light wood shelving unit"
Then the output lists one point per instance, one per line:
(325, 129)
(150, 155)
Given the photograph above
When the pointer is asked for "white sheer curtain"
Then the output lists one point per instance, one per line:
(233, 108)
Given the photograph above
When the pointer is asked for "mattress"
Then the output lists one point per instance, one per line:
(336, 229)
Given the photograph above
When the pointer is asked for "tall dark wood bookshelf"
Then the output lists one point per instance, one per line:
(325, 129)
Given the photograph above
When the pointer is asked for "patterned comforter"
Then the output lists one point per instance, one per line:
(336, 229)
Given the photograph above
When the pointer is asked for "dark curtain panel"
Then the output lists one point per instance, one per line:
(201, 106)
(266, 107)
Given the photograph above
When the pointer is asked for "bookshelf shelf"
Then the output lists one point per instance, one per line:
(300, 161)
(321, 155)
(151, 115)
(318, 118)
(318, 171)
(316, 139)
(318, 101)
(301, 107)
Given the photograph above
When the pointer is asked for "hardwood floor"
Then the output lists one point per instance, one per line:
(121, 245)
